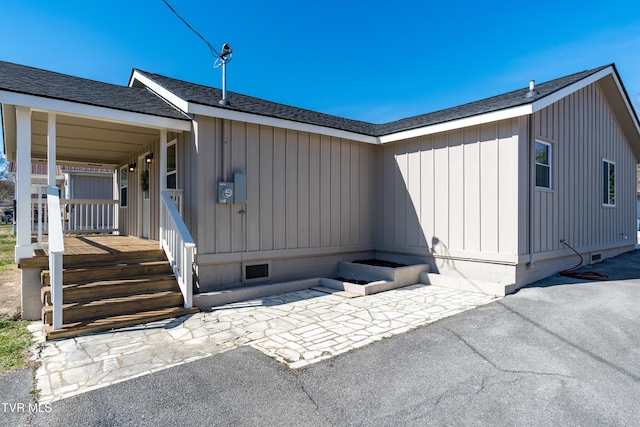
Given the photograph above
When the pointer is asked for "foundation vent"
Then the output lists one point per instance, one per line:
(253, 272)
(596, 257)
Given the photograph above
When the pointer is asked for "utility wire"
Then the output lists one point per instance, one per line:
(214, 52)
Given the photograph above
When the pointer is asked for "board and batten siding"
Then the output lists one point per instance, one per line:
(451, 194)
(583, 131)
(306, 193)
(128, 216)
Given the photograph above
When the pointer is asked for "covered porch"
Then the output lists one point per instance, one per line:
(63, 120)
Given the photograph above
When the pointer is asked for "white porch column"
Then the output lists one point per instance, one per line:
(51, 150)
(116, 208)
(163, 176)
(23, 184)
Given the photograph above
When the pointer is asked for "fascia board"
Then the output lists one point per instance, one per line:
(93, 112)
(223, 113)
(564, 92)
(624, 96)
(458, 124)
(161, 91)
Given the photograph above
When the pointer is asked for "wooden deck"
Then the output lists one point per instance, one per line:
(89, 247)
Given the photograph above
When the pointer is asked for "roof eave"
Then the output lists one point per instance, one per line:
(475, 120)
(160, 91)
(91, 111)
(224, 113)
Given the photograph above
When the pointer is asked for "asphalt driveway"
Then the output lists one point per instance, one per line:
(560, 352)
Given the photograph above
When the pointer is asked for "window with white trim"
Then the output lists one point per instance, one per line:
(124, 185)
(543, 164)
(172, 166)
(608, 183)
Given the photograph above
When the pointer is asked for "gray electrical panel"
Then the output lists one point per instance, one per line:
(233, 193)
(240, 188)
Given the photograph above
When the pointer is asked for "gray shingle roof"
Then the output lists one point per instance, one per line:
(38, 82)
(48, 84)
(512, 99)
(209, 96)
(206, 95)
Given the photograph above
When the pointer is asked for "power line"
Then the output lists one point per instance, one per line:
(214, 52)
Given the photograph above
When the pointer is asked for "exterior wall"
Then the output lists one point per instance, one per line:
(128, 219)
(451, 199)
(309, 197)
(90, 186)
(583, 131)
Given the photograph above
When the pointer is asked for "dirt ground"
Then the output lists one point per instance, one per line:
(10, 293)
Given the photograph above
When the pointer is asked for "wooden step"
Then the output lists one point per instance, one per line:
(96, 272)
(112, 288)
(115, 322)
(106, 307)
(75, 260)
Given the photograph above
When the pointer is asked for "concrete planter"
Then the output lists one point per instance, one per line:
(381, 278)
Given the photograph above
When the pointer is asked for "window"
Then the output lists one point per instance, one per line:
(172, 166)
(543, 165)
(608, 183)
(124, 185)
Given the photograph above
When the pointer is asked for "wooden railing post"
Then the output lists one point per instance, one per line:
(56, 250)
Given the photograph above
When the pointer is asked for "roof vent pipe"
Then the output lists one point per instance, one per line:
(222, 60)
(532, 90)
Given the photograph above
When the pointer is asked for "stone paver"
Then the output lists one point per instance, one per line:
(296, 328)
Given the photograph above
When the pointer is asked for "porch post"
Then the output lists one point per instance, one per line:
(51, 150)
(163, 177)
(116, 208)
(23, 184)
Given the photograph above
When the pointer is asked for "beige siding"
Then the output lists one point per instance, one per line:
(304, 191)
(453, 193)
(128, 219)
(583, 131)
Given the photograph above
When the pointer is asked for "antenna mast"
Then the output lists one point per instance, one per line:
(222, 60)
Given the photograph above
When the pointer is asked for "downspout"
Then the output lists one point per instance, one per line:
(532, 186)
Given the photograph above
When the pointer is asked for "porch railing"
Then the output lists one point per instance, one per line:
(77, 215)
(90, 215)
(178, 245)
(176, 195)
(56, 250)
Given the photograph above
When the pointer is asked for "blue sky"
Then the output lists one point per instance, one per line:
(374, 61)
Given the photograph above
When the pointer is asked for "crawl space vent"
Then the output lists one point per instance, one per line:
(256, 272)
(596, 258)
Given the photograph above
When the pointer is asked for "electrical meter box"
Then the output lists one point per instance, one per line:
(233, 192)
(225, 192)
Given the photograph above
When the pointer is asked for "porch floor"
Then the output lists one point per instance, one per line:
(100, 245)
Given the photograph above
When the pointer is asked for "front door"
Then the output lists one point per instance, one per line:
(144, 212)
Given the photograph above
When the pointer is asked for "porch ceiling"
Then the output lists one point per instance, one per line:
(84, 141)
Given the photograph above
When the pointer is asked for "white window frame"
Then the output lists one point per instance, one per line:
(606, 187)
(173, 144)
(549, 166)
(126, 169)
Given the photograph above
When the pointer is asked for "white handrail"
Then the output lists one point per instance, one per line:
(56, 249)
(179, 246)
(78, 216)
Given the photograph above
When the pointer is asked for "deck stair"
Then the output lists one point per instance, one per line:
(108, 291)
